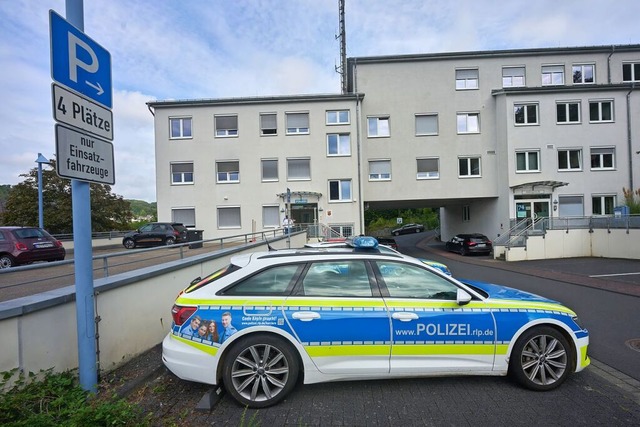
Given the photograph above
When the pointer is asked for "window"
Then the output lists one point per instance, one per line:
(426, 124)
(467, 79)
(428, 168)
(229, 217)
(273, 281)
(570, 206)
(270, 216)
(568, 112)
(528, 161)
(228, 171)
(298, 169)
(181, 173)
(226, 126)
(338, 144)
(186, 216)
(570, 159)
(603, 158)
(297, 123)
(468, 123)
(513, 76)
(328, 279)
(268, 124)
(631, 72)
(410, 281)
(378, 126)
(466, 213)
(340, 117)
(340, 190)
(525, 114)
(552, 75)
(180, 127)
(603, 205)
(344, 230)
(583, 74)
(468, 167)
(379, 170)
(269, 169)
(600, 111)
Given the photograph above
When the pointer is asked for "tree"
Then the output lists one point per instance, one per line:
(108, 211)
(631, 201)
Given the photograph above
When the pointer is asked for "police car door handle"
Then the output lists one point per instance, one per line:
(305, 316)
(405, 316)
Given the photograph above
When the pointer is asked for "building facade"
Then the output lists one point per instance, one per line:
(486, 137)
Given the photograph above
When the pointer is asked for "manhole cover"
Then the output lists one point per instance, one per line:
(634, 344)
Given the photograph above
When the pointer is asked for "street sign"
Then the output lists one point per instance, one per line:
(84, 157)
(81, 113)
(78, 62)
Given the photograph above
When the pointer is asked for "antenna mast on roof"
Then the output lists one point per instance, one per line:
(342, 69)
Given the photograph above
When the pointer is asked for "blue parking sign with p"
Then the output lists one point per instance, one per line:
(78, 62)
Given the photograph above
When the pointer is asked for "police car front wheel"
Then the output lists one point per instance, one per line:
(260, 370)
(541, 359)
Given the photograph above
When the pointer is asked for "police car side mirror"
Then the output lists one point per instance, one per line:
(463, 298)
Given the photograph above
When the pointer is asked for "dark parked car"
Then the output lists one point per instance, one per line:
(24, 245)
(156, 233)
(466, 244)
(408, 228)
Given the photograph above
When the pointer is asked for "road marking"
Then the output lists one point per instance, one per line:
(617, 274)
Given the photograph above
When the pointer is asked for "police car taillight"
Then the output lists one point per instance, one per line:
(181, 314)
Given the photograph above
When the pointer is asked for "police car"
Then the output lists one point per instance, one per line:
(269, 319)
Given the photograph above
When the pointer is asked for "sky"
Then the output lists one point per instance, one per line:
(192, 49)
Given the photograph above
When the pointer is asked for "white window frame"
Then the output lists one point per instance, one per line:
(572, 203)
(566, 105)
(514, 76)
(290, 163)
(582, 68)
(566, 152)
(634, 71)
(341, 197)
(550, 73)
(181, 121)
(186, 216)
(427, 118)
(342, 143)
(526, 106)
(225, 132)
(602, 153)
(262, 175)
(469, 160)
(600, 200)
(427, 173)
(270, 216)
(467, 79)
(527, 166)
(465, 117)
(234, 222)
(267, 130)
(230, 176)
(600, 102)
(297, 130)
(381, 170)
(378, 127)
(183, 174)
(337, 117)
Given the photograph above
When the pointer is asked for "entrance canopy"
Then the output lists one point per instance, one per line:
(537, 187)
(300, 195)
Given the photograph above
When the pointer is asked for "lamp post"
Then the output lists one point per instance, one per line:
(40, 160)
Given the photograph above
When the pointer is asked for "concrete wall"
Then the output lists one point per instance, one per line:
(614, 243)
(39, 332)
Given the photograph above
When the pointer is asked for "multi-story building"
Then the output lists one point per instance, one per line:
(487, 137)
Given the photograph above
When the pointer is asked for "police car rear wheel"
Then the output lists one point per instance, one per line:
(260, 371)
(541, 359)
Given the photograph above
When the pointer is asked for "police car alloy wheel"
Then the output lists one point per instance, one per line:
(541, 359)
(260, 371)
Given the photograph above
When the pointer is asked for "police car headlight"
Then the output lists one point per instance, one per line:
(577, 322)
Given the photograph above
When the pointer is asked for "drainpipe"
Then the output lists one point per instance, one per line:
(613, 48)
(629, 140)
